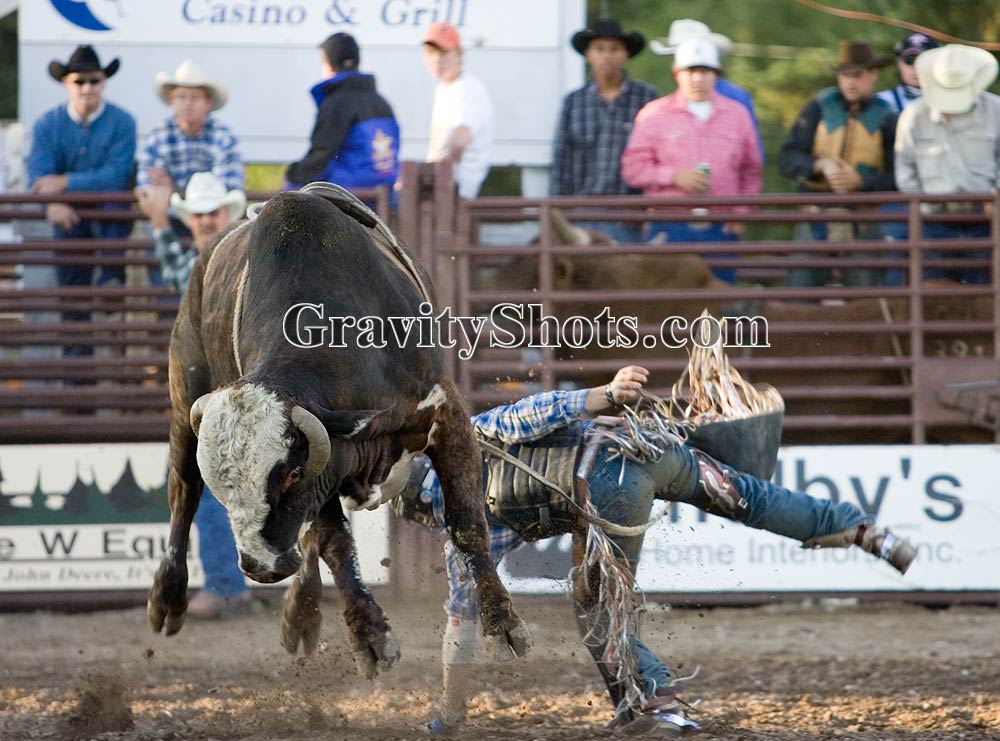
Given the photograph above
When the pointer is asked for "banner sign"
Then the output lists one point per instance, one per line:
(266, 52)
(95, 517)
(942, 498)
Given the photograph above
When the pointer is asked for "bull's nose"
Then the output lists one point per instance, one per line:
(286, 565)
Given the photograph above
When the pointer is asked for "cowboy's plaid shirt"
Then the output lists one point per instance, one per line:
(214, 150)
(526, 420)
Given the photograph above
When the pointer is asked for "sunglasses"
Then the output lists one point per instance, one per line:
(909, 60)
(81, 81)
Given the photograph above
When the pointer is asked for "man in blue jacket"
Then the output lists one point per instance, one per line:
(85, 144)
(355, 140)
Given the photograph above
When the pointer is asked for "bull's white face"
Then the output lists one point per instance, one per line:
(242, 437)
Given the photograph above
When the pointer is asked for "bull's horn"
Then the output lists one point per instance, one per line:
(319, 440)
(566, 232)
(198, 409)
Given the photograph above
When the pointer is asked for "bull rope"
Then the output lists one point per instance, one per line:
(238, 315)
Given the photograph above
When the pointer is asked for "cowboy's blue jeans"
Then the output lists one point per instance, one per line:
(217, 549)
(674, 478)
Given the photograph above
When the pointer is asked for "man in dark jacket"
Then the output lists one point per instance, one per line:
(355, 140)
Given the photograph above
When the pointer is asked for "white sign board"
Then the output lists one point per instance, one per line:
(95, 517)
(265, 52)
(945, 499)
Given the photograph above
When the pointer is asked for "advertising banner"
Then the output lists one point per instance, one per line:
(944, 499)
(266, 54)
(95, 517)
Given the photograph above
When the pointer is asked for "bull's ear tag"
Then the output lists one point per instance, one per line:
(254, 211)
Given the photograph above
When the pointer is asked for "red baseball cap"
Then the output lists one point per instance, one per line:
(443, 35)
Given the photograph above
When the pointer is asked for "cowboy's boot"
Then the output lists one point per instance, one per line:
(876, 540)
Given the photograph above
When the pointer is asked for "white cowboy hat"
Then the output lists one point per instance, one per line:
(204, 194)
(687, 28)
(189, 74)
(953, 76)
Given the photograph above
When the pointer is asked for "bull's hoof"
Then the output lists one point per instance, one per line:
(304, 628)
(167, 603)
(380, 655)
(505, 645)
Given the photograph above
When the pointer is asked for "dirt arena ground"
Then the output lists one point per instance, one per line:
(787, 671)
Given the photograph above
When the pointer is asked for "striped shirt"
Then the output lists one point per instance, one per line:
(175, 261)
(526, 420)
(214, 150)
(591, 137)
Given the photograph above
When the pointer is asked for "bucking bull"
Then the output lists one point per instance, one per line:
(287, 437)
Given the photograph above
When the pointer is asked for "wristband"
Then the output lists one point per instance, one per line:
(609, 396)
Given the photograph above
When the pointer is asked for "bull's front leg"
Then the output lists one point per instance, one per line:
(456, 460)
(301, 618)
(167, 602)
(374, 645)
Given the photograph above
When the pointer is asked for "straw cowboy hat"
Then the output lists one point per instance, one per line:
(204, 194)
(189, 74)
(953, 76)
(607, 28)
(687, 28)
(83, 59)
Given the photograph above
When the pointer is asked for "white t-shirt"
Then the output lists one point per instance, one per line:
(463, 102)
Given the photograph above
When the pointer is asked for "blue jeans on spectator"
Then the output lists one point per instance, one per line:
(678, 231)
(83, 275)
(217, 549)
(623, 232)
(943, 230)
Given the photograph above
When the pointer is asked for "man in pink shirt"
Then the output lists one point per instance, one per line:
(694, 142)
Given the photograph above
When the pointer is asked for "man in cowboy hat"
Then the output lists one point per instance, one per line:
(695, 142)
(595, 121)
(683, 29)
(206, 209)
(842, 141)
(908, 89)
(552, 433)
(462, 113)
(191, 140)
(86, 144)
(948, 141)
(355, 140)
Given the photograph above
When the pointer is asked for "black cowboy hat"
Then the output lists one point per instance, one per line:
(854, 56)
(606, 28)
(83, 59)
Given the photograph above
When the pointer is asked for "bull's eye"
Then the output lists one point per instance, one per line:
(293, 477)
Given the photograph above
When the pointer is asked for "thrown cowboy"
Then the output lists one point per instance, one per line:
(552, 432)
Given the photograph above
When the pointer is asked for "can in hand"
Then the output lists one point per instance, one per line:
(704, 168)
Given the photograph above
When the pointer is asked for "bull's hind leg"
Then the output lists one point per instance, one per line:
(167, 602)
(455, 457)
(301, 618)
(374, 645)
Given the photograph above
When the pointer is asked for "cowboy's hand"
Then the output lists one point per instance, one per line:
(625, 385)
(159, 176)
(692, 181)
(63, 216)
(50, 184)
(844, 179)
(154, 200)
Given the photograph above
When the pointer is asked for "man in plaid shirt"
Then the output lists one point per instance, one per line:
(595, 122)
(622, 494)
(191, 140)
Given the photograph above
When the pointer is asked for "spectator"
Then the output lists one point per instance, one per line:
(88, 144)
(842, 142)
(694, 142)
(191, 140)
(688, 28)
(908, 89)
(355, 140)
(949, 142)
(207, 209)
(596, 119)
(462, 116)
